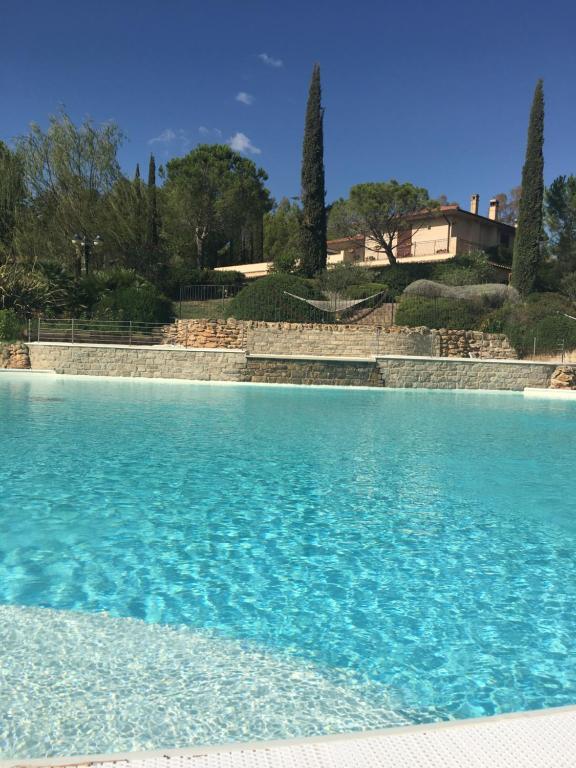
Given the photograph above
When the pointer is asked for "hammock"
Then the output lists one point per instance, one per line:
(335, 304)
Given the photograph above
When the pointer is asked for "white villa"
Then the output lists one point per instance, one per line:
(437, 235)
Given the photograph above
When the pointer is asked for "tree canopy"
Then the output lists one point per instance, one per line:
(529, 235)
(560, 219)
(313, 224)
(382, 211)
(211, 196)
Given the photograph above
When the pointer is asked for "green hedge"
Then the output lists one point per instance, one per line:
(265, 299)
(10, 325)
(437, 313)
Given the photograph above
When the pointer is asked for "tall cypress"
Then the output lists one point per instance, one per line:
(527, 244)
(313, 228)
(152, 229)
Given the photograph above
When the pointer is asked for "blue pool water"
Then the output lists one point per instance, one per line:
(185, 564)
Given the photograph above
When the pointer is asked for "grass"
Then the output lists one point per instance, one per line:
(215, 309)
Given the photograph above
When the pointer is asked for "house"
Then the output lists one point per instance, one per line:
(435, 235)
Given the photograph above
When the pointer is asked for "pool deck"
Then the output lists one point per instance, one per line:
(541, 739)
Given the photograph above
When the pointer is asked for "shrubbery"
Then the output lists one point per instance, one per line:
(437, 313)
(10, 325)
(538, 322)
(183, 275)
(467, 269)
(265, 299)
(142, 304)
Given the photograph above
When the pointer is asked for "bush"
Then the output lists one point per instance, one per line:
(264, 299)
(142, 304)
(485, 295)
(466, 269)
(398, 276)
(539, 319)
(10, 325)
(437, 313)
(364, 291)
(185, 274)
(340, 277)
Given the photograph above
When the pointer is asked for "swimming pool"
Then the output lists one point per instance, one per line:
(185, 563)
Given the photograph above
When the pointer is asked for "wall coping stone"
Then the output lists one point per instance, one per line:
(480, 360)
(320, 358)
(155, 347)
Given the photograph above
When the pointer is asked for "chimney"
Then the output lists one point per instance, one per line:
(493, 211)
(474, 202)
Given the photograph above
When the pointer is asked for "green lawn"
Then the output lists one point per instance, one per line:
(212, 308)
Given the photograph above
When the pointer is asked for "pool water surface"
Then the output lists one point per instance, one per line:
(188, 564)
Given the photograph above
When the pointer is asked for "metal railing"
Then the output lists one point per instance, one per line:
(409, 250)
(194, 298)
(77, 331)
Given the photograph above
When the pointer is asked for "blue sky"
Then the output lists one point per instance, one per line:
(435, 94)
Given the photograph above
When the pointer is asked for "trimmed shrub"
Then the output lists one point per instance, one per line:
(140, 304)
(368, 289)
(437, 313)
(265, 299)
(10, 325)
(398, 276)
(485, 295)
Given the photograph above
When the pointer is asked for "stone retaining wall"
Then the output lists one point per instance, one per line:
(443, 373)
(490, 346)
(14, 356)
(266, 338)
(230, 365)
(350, 373)
(149, 362)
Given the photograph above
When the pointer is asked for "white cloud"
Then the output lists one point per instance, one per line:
(165, 137)
(169, 135)
(204, 131)
(270, 60)
(245, 98)
(241, 143)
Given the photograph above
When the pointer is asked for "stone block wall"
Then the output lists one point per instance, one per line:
(299, 371)
(14, 356)
(493, 346)
(149, 362)
(207, 334)
(442, 373)
(267, 338)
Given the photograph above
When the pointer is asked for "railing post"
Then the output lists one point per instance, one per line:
(72, 325)
(38, 328)
(130, 334)
(378, 330)
(29, 329)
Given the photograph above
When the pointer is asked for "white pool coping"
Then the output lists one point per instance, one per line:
(538, 739)
(550, 394)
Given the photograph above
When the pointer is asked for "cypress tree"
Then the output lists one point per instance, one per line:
(313, 228)
(137, 173)
(152, 234)
(528, 239)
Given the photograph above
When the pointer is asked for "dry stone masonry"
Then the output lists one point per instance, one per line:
(564, 377)
(14, 356)
(266, 338)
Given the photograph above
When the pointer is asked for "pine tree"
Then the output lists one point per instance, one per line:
(313, 231)
(529, 235)
(152, 233)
